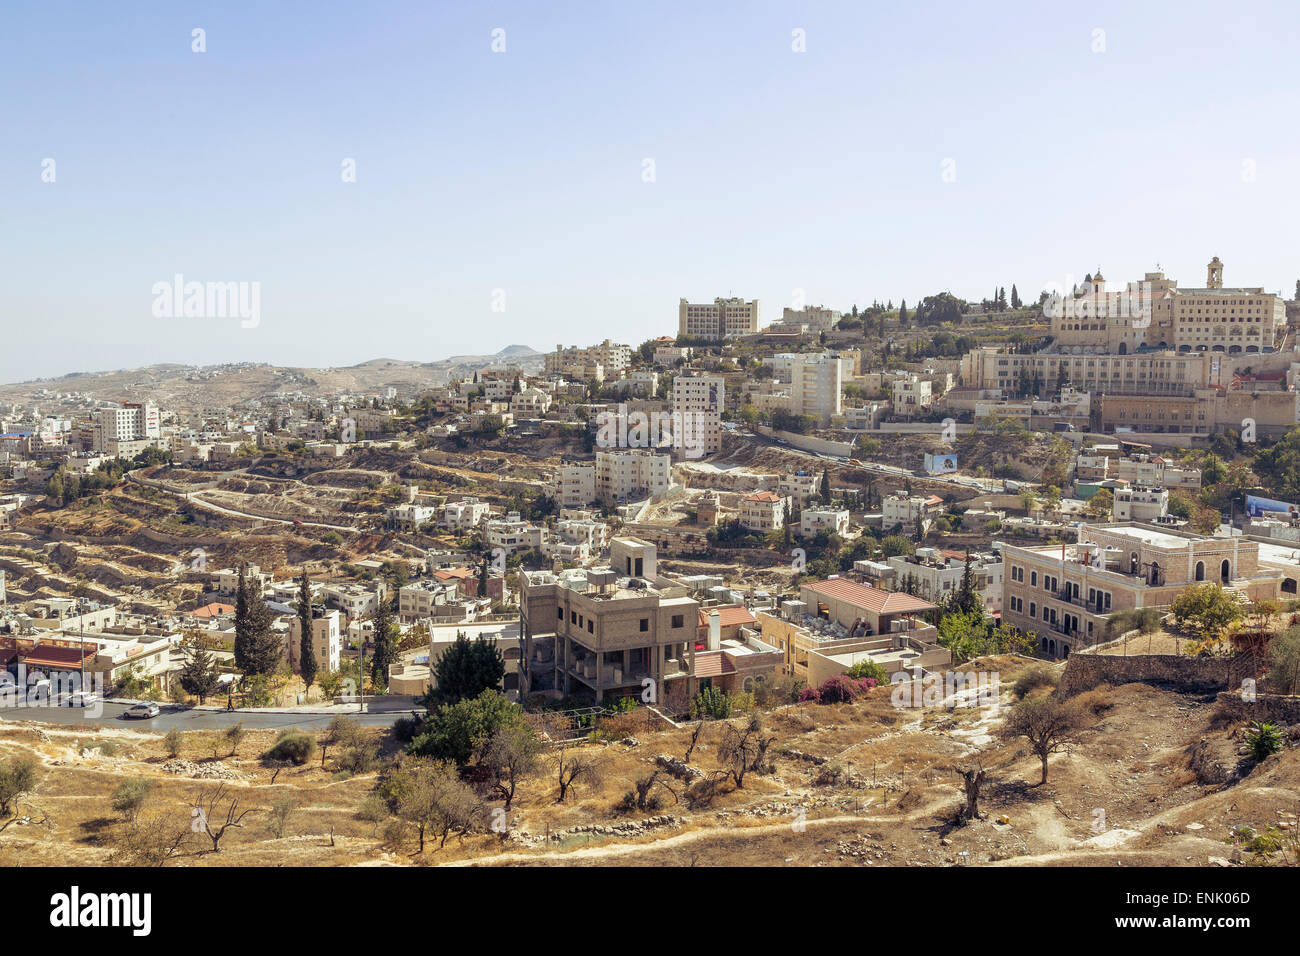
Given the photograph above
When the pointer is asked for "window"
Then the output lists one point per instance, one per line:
(645, 624)
(678, 620)
(591, 627)
(559, 613)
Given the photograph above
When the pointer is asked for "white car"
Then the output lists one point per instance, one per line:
(143, 711)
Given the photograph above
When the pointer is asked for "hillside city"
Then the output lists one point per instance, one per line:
(764, 588)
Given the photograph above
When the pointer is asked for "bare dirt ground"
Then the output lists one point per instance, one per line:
(1154, 779)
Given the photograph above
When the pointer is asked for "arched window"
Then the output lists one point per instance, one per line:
(1225, 571)
(1200, 570)
(1288, 586)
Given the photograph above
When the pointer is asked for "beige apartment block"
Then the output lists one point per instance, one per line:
(698, 400)
(722, 319)
(599, 633)
(1065, 593)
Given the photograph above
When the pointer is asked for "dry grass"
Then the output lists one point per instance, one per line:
(890, 800)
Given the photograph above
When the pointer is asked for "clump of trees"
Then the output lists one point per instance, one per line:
(466, 670)
(258, 649)
(1206, 611)
(430, 796)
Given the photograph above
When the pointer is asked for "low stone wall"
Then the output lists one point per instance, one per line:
(1275, 708)
(1085, 671)
(810, 443)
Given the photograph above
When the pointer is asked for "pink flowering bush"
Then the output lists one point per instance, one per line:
(841, 689)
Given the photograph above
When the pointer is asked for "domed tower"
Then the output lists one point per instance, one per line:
(1214, 274)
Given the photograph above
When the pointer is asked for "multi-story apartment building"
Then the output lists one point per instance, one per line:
(125, 430)
(326, 641)
(670, 355)
(1069, 406)
(409, 517)
(511, 533)
(914, 513)
(763, 511)
(1152, 471)
(416, 601)
(815, 382)
(912, 395)
(530, 403)
(802, 487)
(935, 574)
(831, 520)
(608, 360)
(254, 577)
(626, 473)
(1139, 503)
(698, 401)
(575, 484)
(587, 529)
(722, 319)
(598, 632)
(817, 318)
(354, 600)
(464, 515)
(133, 421)
(1066, 593)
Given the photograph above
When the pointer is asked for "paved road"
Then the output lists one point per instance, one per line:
(378, 714)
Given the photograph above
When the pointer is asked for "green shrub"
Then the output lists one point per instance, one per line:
(1262, 741)
(868, 669)
(174, 742)
(1034, 678)
(130, 796)
(711, 702)
(293, 745)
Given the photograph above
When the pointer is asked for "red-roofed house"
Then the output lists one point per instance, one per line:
(849, 603)
(763, 511)
(215, 609)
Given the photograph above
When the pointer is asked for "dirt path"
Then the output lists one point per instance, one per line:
(682, 839)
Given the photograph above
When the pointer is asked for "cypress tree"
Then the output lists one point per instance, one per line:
(385, 643)
(199, 676)
(307, 651)
(241, 621)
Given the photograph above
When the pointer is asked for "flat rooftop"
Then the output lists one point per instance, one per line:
(1159, 539)
(1280, 554)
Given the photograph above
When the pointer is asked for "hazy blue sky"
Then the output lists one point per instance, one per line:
(522, 170)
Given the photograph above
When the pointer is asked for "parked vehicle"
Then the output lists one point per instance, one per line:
(143, 711)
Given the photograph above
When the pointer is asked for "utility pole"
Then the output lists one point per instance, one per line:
(81, 654)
